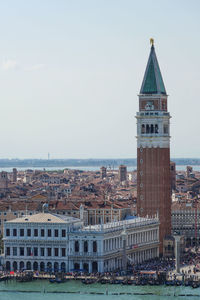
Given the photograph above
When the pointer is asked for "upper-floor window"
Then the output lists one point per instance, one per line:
(63, 233)
(164, 106)
(56, 232)
(85, 246)
(42, 232)
(35, 232)
(49, 251)
(7, 250)
(143, 129)
(42, 251)
(7, 232)
(76, 246)
(147, 128)
(156, 128)
(28, 232)
(21, 232)
(55, 251)
(63, 251)
(28, 251)
(35, 251)
(21, 251)
(152, 128)
(14, 251)
(49, 232)
(94, 246)
(14, 232)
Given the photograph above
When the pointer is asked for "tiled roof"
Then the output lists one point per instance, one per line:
(152, 82)
(44, 218)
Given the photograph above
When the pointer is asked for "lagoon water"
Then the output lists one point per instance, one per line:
(75, 290)
(89, 168)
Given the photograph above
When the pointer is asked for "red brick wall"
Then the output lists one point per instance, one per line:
(155, 166)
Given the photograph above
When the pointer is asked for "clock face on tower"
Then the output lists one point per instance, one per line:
(149, 106)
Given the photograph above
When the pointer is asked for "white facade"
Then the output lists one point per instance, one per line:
(49, 242)
(153, 129)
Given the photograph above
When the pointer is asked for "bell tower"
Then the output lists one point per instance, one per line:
(153, 148)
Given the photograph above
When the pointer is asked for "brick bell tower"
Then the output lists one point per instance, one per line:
(153, 148)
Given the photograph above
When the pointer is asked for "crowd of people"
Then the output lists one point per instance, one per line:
(156, 264)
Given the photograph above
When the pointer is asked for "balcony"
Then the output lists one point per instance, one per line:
(86, 254)
(152, 114)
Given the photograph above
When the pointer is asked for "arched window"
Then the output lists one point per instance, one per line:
(85, 267)
(35, 266)
(15, 266)
(56, 267)
(94, 266)
(63, 267)
(143, 129)
(77, 266)
(76, 246)
(42, 266)
(8, 266)
(94, 246)
(21, 265)
(152, 128)
(147, 128)
(28, 265)
(156, 128)
(49, 266)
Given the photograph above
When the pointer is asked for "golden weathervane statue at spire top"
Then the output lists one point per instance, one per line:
(152, 41)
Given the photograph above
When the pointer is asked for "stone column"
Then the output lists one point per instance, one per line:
(81, 243)
(100, 247)
(177, 252)
(124, 258)
(90, 246)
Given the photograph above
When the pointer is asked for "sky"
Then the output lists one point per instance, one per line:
(71, 70)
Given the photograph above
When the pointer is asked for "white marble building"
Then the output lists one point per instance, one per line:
(50, 242)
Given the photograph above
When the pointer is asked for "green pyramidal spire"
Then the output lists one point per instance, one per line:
(152, 82)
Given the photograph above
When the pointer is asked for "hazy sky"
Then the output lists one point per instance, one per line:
(71, 70)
